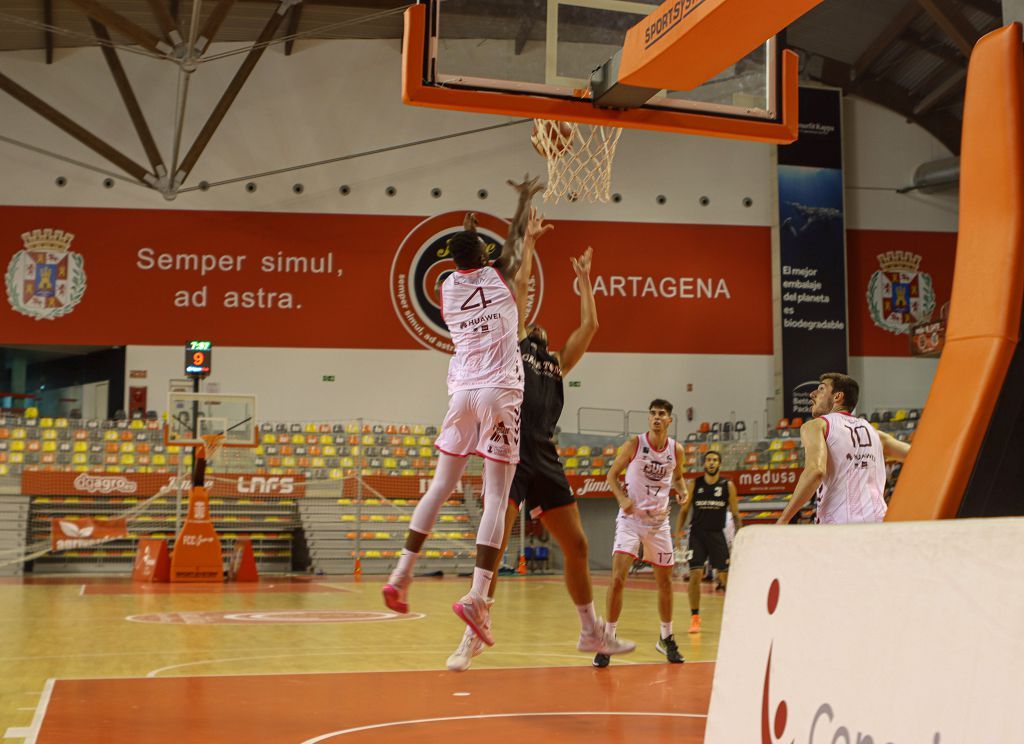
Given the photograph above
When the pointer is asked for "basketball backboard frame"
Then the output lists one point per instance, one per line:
(423, 85)
(234, 416)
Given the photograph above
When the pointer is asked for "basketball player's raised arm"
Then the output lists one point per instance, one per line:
(893, 448)
(512, 254)
(626, 453)
(812, 434)
(579, 340)
(734, 505)
(535, 228)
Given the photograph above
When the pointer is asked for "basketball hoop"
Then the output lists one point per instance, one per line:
(212, 444)
(579, 159)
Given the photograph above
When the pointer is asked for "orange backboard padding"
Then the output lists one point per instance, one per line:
(985, 308)
(416, 93)
(684, 43)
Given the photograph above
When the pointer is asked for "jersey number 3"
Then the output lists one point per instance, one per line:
(469, 304)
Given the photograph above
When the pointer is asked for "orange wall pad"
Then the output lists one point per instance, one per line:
(988, 281)
(651, 703)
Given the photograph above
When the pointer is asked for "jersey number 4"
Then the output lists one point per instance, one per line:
(469, 304)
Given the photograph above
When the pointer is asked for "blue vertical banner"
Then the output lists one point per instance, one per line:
(812, 250)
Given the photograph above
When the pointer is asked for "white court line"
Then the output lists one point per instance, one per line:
(362, 652)
(358, 671)
(388, 724)
(81, 592)
(156, 652)
(30, 732)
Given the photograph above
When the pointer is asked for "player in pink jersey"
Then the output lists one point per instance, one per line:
(653, 463)
(844, 458)
(485, 388)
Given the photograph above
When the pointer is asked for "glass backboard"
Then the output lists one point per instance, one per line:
(191, 415)
(551, 47)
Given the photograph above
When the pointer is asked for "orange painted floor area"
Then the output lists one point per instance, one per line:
(91, 659)
(642, 703)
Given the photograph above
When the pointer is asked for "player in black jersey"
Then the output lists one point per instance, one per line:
(709, 496)
(540, 481)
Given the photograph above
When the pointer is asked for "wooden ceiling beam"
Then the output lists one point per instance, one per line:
(293, 28)
(76, 130)
(943, 127)
(232, 91)
(212, 25)
(954, 80)
(948, 16)
(168, 25)
(48, 34)
(130, 101)
(133, 31)
(889, 35)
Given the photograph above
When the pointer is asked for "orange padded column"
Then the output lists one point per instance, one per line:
(685, 43)
(988, 281)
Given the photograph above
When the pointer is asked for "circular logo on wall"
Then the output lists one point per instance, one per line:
(46, 279)
(423, 261)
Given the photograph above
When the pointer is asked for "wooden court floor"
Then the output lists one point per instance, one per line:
(291, 660)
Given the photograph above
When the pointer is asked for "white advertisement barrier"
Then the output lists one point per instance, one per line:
(903, 633)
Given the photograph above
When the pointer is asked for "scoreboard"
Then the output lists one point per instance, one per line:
(198, 358)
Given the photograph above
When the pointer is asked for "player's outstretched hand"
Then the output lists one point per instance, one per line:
(528, 187)
(536, 227)
(581, 265)
(469, 222)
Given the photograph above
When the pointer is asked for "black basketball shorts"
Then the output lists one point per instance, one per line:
(706, 544)
(539, 481)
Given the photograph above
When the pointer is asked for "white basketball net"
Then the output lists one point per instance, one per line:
(579, 162)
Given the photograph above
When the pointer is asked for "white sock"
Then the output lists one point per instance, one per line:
(666, 629)
(481, 581)
(588, 618)
(405, 563)
(609, 629)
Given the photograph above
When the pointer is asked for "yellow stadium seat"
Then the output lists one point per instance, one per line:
(326, 439)
(49, 446)
(137, 424)
(79, 459)
(18, 445)
(352, 428)
(775, 444)
(61, 423)
(18, 434)
(50, 434)
(268, 438)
